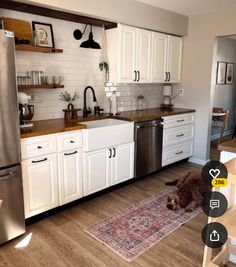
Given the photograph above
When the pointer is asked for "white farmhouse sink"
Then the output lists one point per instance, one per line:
(103, 123)
(107, 133)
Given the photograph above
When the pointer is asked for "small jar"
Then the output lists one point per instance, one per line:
(141, 103)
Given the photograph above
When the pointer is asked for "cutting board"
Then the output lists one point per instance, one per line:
(22, 29)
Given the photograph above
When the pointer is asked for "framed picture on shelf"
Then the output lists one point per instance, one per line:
(43, 34)
(221, 72)
(229, 73)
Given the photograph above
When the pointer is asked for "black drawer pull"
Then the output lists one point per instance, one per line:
(72, 142)
(138, 76)
(114, 150)
(180, 152)
(179, 135)
(135, 77)
(41, 160)
(68, 154)
(110, 153)
(180, 120)
(39, 147)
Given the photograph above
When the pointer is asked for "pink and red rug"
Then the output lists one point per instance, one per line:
(132, 231)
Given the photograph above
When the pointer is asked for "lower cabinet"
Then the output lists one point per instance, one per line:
(40, 184)
(96, 171)
(70, 175)
(123, 163)
(106, 167)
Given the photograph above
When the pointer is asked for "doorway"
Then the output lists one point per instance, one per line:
(224, 92)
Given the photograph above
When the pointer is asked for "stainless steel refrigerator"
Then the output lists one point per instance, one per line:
(12, 221)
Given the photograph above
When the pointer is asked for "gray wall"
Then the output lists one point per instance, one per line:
(123, 11)
(224, 95)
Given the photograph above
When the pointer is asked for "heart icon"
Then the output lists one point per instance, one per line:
(214, 173)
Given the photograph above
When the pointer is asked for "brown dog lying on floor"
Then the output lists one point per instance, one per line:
(189, 193)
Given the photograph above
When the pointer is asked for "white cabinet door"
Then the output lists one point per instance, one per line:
(143, 56)
(40, 184)
(70, 175)
(96, 170)
(174, 58)
(159, 57)
(123, 163)
(127, 54)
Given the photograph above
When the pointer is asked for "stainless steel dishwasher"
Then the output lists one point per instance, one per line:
(148, 147)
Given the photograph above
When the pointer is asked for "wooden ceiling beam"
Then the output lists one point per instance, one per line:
(47, 12)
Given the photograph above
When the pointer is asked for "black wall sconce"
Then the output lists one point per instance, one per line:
(90, 43)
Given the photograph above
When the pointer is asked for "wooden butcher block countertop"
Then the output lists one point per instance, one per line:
(45, 127)
(229, 146)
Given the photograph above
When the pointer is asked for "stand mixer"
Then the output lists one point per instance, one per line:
(26, 111)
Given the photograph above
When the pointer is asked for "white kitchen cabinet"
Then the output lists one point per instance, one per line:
(159, 57)
(40, 184)
(178, 137)
(70, 175)
(166, 58)
(122, 163)
(143, 56)
(96, 171)
(174, 59)
(109, 166)
(129, 54)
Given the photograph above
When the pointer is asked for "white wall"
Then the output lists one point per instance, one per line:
(199, 74)
(124, 11)
(224, 95)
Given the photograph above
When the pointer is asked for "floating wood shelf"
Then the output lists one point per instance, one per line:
(34, 48)
(40, 86)
(57, 14)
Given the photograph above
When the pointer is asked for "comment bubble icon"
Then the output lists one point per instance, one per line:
(214, 203)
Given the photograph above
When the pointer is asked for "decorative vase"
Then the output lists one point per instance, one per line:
(70, 106)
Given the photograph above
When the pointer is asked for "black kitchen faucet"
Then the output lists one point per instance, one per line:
(86, 110)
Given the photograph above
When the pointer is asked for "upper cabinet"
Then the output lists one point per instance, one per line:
(166, 58)
(142, 56)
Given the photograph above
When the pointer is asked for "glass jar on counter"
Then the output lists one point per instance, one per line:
(141, 103)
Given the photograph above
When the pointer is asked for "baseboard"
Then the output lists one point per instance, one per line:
(216, 136)
(198, 161)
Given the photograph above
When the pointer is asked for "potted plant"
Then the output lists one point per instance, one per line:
(67, 97)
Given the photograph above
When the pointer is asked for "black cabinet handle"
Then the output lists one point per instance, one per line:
(72, 142)
(135, 73)
(138, 76)
(180, 152)
(179, 135)
(110, 153)
(39, 147)
(166, 76)
(114, 152)
(180, 120)
(68, 154)
(37, 161)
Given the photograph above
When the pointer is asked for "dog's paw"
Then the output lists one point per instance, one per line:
(188, 209)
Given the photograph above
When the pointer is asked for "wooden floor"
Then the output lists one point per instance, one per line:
(60, 240)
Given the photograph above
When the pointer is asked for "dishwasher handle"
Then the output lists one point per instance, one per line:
(157, 124)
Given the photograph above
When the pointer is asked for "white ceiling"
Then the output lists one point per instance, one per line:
(191, 7)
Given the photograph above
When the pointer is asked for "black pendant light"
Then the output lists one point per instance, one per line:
(90, 43)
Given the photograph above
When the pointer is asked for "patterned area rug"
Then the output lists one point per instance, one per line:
(132, 231)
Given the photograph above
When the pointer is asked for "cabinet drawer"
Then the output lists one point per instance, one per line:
(69, 140)
(175, 153)
(177, 135)
(178, 120)
(38, 146)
